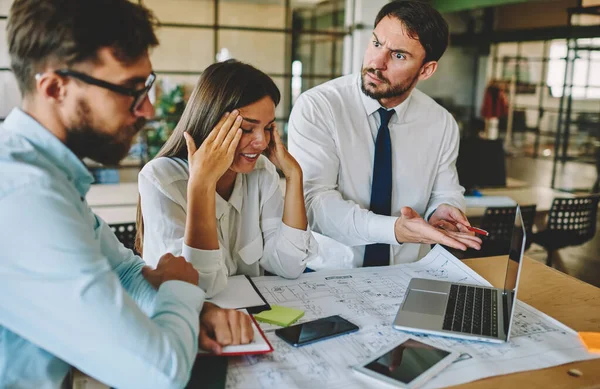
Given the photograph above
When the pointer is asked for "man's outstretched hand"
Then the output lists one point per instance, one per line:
(410, 227)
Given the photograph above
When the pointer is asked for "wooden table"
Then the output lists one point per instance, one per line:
(572, 302)
(108, 195)
(568, 300)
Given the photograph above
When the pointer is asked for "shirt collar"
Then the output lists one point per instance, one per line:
(372, 105)
(51, 147)
(235, 200)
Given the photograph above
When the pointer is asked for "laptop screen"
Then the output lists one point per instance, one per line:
(515, 257)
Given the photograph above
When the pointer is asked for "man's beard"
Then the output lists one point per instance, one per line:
(391, 90)
(85, 140)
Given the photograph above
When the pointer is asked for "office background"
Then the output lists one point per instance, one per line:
(545, 55)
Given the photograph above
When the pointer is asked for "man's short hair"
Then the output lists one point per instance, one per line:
(66, 32)
(421, 22)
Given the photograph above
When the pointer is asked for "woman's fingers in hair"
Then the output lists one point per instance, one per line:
(232, 122)
(213, 134)
(276, 135)
(231, 133)
(237, 135)
(191, 145)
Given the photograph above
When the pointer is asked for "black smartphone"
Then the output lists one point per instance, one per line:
(313, 331)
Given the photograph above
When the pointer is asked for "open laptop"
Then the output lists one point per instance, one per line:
(465, 311)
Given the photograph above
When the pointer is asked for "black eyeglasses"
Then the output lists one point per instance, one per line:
(138, 95)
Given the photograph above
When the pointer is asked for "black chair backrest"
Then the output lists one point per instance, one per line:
(125, 232)
(573, 220)
(499, 222)
(471, 155)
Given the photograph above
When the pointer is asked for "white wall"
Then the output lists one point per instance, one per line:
(10, 96)
(356, 44)
(453, 78)
(191, 49)
(4, 6)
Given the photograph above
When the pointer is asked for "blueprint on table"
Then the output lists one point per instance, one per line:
(370, 297)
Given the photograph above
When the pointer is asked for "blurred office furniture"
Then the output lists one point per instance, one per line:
(481, 164)
(596, 186)
(125, 193)
(118, 214)
(540, 196)
(520, 128)
(571, 222)
(499, 222)
(105, 175)
(125, 232)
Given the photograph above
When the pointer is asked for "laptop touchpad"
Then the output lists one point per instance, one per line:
(425, 302)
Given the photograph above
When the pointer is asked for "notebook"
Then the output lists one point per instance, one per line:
(259, 345)
(240, 293)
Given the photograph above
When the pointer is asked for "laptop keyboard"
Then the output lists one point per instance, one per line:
(472, 310)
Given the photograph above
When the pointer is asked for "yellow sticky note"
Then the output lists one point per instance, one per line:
(278, 315)
(591, 341)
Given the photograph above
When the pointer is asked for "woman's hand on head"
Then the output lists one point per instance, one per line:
(280, 157)
(209, 162)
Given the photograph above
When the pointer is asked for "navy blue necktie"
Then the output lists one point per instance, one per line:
(381, 189)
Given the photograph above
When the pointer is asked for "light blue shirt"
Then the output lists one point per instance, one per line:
(70, 293)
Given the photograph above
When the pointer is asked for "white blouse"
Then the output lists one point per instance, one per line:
(250, 226)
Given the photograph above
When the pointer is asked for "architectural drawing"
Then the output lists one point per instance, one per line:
(370, 297)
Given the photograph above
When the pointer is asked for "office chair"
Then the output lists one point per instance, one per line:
(571, 222)
(125, 232)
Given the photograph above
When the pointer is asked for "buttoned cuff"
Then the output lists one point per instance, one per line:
(205, 261)
(381, 229)
(298, 238)
(429, 213)
(457, 203)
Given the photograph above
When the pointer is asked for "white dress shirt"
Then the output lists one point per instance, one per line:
(249, 225)
(332, 132)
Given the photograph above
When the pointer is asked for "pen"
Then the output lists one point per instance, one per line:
(474, 229)
(478, 231)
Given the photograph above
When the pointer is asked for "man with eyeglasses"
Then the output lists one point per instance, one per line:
(72, 295)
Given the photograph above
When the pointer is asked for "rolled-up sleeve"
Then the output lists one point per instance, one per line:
(211, 268)
(286, 250)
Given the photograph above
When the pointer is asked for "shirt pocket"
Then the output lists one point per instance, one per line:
(252, 252)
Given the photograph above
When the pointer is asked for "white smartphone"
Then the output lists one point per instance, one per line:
(407, 365)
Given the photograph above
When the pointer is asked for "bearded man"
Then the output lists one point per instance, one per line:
(72, 294)
(378, 155)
